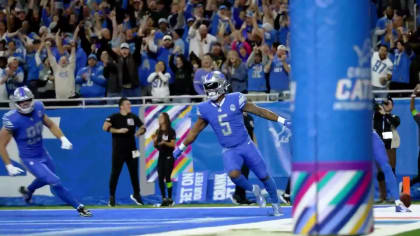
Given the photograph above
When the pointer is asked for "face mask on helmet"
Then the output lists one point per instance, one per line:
(214, 90)
(214, 85)
(25, 107)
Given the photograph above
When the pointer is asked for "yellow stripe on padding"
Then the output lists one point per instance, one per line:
(362, 219)
(309, 225)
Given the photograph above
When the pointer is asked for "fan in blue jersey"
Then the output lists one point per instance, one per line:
(381, 159)
(223, 111)
(25, 124)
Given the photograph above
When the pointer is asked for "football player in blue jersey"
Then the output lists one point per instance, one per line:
(25, 124)
(223, 111)
(381, 160)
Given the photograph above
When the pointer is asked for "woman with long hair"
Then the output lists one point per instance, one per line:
(236, 72)
(164, 142)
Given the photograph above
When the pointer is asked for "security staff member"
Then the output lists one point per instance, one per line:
(123, 126)
(239, 197)
(384, 122)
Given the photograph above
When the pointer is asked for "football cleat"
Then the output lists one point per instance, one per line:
(83, 211)
(276, 209)
(258, 196)
(27, 196)
(401, 208)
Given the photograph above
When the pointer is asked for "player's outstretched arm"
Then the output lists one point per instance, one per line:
(264, 113)
(5, 137)
(56, 131)
(199, 125)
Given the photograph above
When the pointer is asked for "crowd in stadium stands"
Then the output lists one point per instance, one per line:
(99, 48)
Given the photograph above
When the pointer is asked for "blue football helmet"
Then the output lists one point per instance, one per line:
(20, 95)
(215, 85)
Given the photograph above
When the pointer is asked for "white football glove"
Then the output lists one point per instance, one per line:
(13, 170)
(65, 143)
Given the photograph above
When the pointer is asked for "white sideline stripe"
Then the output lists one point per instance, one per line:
(285, 225)
(395, 229)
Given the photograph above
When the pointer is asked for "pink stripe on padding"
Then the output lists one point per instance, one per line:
(313, 178)
(149, 110)
(180, 140)
(358, 194)
(151, 155)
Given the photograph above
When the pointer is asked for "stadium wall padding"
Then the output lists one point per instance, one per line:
(85, 169)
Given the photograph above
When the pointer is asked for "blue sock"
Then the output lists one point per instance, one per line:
(65, 195)
(379, 153)
(36, 184)
(271, 188)
(242, 182)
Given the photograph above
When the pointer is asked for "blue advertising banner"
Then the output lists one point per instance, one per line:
(274, 140)
(223, 187)
(192, 187)
(85, 169)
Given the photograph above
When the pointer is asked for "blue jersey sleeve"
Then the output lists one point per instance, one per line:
(242, 101)
(7, 122)
(39, 108)
(200, 112)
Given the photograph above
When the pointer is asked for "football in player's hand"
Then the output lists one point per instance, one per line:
(406, 199)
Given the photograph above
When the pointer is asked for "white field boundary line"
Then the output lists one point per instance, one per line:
(285, 225)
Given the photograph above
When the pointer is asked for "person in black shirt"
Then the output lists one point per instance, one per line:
(239, 197)
(123, 126)
(164, 141)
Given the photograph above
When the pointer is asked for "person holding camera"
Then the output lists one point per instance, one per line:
(164, 141)
(122, 126)
(385, 124)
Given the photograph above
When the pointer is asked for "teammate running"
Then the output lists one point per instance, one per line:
(381, 159)
(224, 113)
(25, 124)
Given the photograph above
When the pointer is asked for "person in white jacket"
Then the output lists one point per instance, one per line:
(63, 72)
(160, 82)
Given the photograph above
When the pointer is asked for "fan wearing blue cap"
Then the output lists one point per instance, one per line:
(91, 79)
(220, 20)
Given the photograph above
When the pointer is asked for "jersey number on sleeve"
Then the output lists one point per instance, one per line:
(226, 130)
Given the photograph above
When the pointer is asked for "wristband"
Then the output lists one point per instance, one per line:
(281, 120)
(109, 129)
(182, 147)
(64, 139)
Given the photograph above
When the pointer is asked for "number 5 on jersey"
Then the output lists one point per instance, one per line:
(226, 130)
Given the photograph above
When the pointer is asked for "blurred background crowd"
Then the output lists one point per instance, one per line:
(97, 48)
